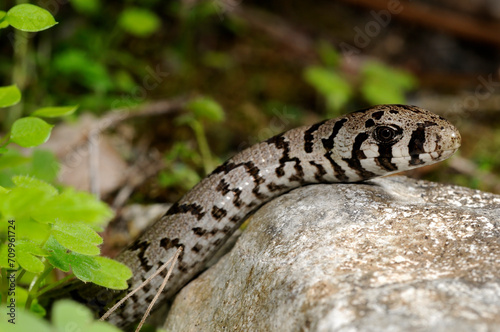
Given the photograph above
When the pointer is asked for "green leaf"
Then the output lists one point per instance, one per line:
(26, 253)
(37, 309)
(179, 175)
(30, 18)
(29, 132)
(67, 315)
(45, 165)
(20, 202)
(64, 315)
(3, 20)
(385, 85)
(23, 181)
(35, 231)
(376, 92)
(42, 165)
(54, 112)
(79, 238)
(9, 95)
(217, 60)
(184, 119)
(12, 160)
(63, 259)
(59, 257)
(328, 54)
(124, 81)
(74, 206)
(86, 6)
(390, 76)
(79, 67)
(4, 258)
(139, 22)
(206, 108)
(25, 321)
(21, 296)
(331, 85)
(98, 326)
(112, 274)
(99, 270)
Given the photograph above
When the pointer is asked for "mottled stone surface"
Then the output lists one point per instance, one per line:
(394, 254)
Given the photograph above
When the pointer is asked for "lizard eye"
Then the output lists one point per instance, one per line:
(385, 134)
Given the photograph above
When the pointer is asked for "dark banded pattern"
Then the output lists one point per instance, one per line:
(368, 143)
(338, 171)
(329, 142)
(357, 155)
(309, 137)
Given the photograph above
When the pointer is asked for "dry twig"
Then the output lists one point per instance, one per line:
(164, 283)
(437, 18)
(163, 267)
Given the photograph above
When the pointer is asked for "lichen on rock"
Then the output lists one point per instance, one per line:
(392, 254)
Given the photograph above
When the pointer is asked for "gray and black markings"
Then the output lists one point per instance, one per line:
(357, 154)
(368, 143)
(193, 208)
(329, 142)
(281, 143)
(417, 142)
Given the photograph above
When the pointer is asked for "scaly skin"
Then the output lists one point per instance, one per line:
(362, 145)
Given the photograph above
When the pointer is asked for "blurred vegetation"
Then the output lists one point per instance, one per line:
(244, 85)
(64, 317)
(43, 227)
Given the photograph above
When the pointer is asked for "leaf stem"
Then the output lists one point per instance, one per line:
(3, 285)
(55, 284)
(35, 284)
(5, 139)
(20, 274)
(206, 156)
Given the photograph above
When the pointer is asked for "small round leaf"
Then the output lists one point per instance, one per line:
(139, 22)
(206, 108)
(54, 112)
(29, 132)
(3, 20)
(30, 18)
(111, 274)
(9, 95)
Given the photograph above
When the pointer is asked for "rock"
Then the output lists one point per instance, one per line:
(393, 254)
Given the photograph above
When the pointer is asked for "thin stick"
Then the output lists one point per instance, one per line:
(93, 148)
(163, 267)
(164, 283)
(462, 25)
